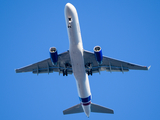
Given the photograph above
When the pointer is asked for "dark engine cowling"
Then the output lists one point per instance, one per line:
(98, 54)
(53, 55)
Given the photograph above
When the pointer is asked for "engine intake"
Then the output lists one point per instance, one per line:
(98, 54)
(53, 55)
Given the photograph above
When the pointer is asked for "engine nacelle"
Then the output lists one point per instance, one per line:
(53, 55)
(98, 54)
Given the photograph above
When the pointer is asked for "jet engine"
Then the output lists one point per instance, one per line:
(53, 55)
(98, 54)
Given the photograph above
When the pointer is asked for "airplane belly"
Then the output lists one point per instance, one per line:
(77, 63)
(77, 60)
(80, 75)
(76, 56)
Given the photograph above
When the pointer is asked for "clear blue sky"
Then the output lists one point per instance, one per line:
(128, 30)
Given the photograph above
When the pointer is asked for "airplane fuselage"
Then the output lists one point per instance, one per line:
(76, 56)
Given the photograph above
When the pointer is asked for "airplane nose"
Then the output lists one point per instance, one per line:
(68, 7)
(68, 4)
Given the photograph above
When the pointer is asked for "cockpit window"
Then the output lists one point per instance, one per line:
(70, 19)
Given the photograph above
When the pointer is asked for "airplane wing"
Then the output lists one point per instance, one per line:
(108, 64)
(46, 66)
(64, 64)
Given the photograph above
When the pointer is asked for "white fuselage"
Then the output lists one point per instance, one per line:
(76, 56)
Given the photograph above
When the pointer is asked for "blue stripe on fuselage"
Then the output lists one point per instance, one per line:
(87, 99)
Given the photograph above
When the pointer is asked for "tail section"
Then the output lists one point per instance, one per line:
(94, 108)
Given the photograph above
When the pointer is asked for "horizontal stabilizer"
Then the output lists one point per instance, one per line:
(75, 109)
(100, 109)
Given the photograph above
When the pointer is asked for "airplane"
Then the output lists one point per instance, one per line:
(81, 63)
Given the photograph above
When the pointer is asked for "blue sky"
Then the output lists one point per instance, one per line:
(126, 30)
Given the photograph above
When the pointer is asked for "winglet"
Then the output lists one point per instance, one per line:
(149, 67)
